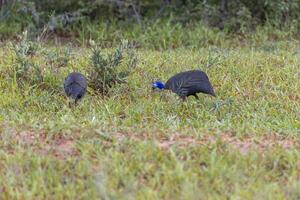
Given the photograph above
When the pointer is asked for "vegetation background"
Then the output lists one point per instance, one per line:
(125, 141)
(148, 23)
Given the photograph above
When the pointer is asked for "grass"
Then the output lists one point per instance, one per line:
(139, 144)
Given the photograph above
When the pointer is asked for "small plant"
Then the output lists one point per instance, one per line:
(24, 69)
(107, 69)
(59, 58)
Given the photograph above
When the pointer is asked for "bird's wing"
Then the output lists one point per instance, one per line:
(198, 84)
(189, 83)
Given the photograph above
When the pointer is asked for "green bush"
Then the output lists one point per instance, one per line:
(107, 69)
(24, 70)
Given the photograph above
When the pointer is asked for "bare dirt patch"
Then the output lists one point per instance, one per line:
(62, 147)
(179, 140)
(261, 143)
(59, 147)
(243, 145)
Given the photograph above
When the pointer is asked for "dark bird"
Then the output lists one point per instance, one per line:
(187, 83)
(75, 86)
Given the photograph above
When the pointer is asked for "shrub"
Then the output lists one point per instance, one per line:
(58, 57)
(25, 71)
(109, 69)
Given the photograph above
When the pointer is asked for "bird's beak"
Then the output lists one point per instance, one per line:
(153, 86)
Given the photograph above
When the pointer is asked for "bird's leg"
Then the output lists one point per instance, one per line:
(70, 104)
(76, 102)
(183, 98)
(196, 96)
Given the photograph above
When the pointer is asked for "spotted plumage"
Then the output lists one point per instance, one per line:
(75, 86)
(187, 83)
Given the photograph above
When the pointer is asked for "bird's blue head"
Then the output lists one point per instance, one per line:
(158, 84)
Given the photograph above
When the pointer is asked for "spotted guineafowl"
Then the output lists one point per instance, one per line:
(187, 83)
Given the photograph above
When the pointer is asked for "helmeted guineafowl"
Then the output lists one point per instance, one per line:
(75, 86)
(187, 83)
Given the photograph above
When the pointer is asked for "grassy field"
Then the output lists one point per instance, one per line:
(138, 144)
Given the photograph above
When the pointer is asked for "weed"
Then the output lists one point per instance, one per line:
(106, 70)
(58, 57)
(24, 70)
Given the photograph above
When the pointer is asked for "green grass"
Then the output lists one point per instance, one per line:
(139, 144)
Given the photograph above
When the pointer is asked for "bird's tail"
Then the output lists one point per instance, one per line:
(76, 91)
